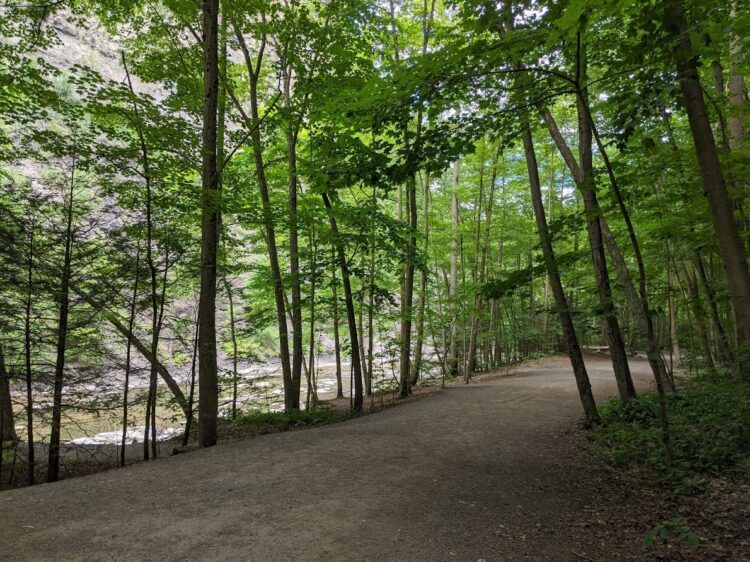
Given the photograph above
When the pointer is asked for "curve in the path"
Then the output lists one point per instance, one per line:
(490, 471)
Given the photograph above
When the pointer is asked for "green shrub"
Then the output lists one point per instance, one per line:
(709, 428)
(266, 422)
(674, 528)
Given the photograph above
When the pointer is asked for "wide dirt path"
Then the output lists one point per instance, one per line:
(489, 471)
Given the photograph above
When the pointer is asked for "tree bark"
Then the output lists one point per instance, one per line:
(336, 339)
(291, 399)
(604, 289)
(452, 356)
(349, 300)
(8, 433)
(566, 320)
(408, 293)
(311, 389)
(731, 247)
(722, 340)
(699, 315)
(27, 345)
(128, 350)
(296, 312)
(143, 349)
(419, 343)
(53, 462)
(233, 337)
(208, 404)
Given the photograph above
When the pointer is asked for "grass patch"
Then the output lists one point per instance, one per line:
(272, 422)
(710, 430)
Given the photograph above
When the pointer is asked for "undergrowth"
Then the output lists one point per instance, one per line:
(270, 422)
(709, 426)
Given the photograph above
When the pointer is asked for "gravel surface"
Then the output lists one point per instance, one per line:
(489, 471)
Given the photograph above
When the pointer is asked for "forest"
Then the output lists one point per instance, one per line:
(214, 212)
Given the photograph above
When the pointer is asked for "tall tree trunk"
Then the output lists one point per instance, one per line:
(53, 462)
(296, 312)
(674, 344)
(370, 329)
(158, 302)
(411, 374)
(291, 399)
(419, 343)
(604, 289)
(408, 293)
(731, 247)
(31, 454)
(653, 353)
(349, 300)
(311, 390)
(371, 301)
(208, 385)
(336, 339)
(566, 320)
(145, 163)
(452, 355)
(476, 310)
(360, 330)
(481, 250)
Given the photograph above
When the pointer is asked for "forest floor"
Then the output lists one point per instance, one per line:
(496, 470)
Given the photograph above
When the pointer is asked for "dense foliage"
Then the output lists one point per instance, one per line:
(215, 208)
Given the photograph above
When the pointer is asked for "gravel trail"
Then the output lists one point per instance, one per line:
(488, 471)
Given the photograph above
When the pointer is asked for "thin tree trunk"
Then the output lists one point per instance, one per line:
(370, 318)
(361, 332)
(673, 341)
(604, 289)
(453, 286)
(31, 453)
(418, 346)
(233, 337)
(158, 301)
(700, 317)
(722, 339)
(349, 300)
(291, 399)
(311, 390)
(336, 339)
(566, 320)
(53, 463)
(191, 390)
(150, 403)
(128, 349)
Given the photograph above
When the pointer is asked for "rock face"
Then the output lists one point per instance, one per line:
(85, 44)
